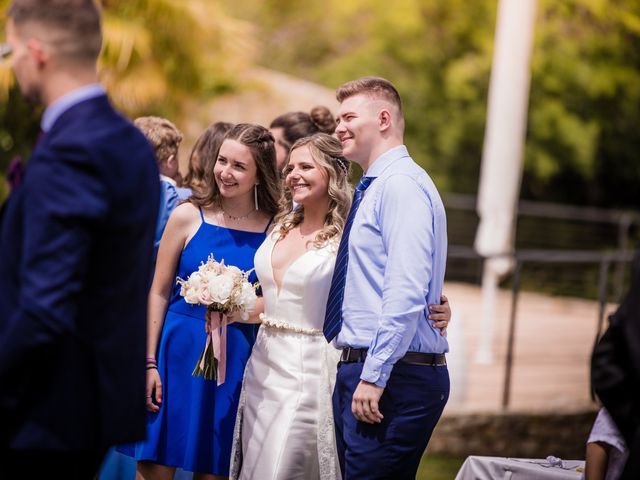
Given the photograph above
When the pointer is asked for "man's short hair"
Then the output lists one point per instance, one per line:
(374, 87)
(162, 134)
(71, 27)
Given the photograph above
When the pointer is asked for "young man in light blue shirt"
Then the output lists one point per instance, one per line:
(392, 382)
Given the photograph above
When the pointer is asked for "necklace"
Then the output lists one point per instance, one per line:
(305, 235)
(239, 217)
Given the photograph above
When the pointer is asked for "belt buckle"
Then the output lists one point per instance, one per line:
(352, 355)
(346, 355)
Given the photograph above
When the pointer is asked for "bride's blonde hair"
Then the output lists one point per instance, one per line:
(326, 151)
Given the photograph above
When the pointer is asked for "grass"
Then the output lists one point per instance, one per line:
(439, 467)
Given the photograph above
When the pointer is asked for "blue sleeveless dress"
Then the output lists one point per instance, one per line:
(194, 428)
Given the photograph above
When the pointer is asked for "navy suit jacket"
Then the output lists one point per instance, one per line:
(76, 244)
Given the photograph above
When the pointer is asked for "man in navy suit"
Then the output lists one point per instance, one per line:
(76, 244)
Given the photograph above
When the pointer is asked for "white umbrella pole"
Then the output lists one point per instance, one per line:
(501, 170)
(490, 279)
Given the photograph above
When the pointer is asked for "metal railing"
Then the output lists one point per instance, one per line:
(605, 260)
(619, 223)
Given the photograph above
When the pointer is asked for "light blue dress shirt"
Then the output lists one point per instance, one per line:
(397, 259)
(65, 102)
(169, 200)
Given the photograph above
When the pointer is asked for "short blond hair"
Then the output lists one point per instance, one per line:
(373, 87)
(162, 134)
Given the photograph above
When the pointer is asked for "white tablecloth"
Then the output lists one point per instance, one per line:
(494, 468)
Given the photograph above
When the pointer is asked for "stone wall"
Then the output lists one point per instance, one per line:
(524, 435)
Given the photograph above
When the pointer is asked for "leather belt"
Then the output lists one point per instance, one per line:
(350, 355)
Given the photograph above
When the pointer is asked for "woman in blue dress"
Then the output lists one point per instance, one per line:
(191, 420)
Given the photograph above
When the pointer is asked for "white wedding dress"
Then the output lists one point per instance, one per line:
(284, 428)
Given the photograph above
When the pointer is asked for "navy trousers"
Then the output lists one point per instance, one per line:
(412, 403)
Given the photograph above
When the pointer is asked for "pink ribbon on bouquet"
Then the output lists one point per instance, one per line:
(218, 339)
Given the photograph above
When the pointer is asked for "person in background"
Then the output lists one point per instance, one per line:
(76, 250)
(203, 155)
(606, 451)
(165, 138)
(183, 192)
(292, 126)
(615, 371)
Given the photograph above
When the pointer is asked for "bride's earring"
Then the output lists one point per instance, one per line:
(255, 195)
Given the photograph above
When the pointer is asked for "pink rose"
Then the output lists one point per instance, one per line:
(205, 296)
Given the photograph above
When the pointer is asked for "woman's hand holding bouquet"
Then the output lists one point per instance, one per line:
(225, 290)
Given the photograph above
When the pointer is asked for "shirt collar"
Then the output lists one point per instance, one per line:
(65, 102)
(381, 163)
(168, 180)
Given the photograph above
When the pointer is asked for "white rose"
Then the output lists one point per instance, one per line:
(247, 298)
(195, 281)
(232, 275)
(233, 271)
(220, 288)
(190, 295)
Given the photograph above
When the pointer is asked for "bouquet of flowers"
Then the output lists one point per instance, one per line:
(223, 289)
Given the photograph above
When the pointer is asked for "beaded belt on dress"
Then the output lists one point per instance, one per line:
(279, 325)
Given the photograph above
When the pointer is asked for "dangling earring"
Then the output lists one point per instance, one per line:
(255, 195)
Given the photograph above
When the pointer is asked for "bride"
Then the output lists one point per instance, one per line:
(284, 427)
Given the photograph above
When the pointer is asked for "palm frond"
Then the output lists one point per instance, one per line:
(6, 80)
(122, 39)
(137, 89)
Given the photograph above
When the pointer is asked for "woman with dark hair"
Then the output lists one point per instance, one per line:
(191, 420)
(290, 127)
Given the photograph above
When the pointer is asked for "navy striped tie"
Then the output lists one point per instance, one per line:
(333, 316)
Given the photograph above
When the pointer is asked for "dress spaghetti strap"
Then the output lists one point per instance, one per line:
(268, 225)
(201, 214)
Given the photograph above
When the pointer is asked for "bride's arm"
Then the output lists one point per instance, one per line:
(234, 317)
(254, 315)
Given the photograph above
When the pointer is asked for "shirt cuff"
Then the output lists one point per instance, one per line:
(376, 371)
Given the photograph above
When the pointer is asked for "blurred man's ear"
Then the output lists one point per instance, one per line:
(37, 51)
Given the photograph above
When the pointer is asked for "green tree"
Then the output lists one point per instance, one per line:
(157, 55)
(583, 137)
(582, 134)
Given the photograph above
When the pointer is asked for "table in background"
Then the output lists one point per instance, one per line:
(495, 468)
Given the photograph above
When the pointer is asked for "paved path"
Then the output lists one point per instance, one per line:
(553, 342)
